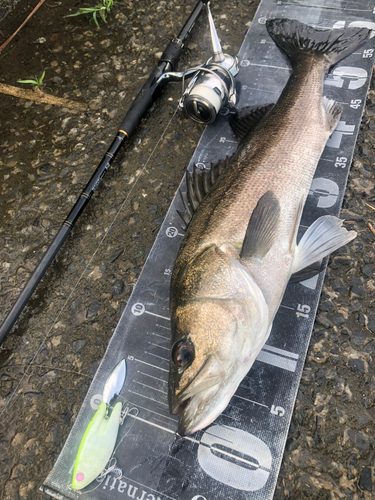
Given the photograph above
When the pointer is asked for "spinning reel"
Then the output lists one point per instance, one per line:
(212, 86)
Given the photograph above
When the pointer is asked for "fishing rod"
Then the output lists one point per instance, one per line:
(211, 88)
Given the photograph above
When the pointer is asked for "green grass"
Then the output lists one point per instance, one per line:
(101, 8)
(37, 82)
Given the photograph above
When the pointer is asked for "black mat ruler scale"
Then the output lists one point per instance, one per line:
(239, 455)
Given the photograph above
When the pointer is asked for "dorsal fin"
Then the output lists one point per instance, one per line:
(243, 121)
(198, 184)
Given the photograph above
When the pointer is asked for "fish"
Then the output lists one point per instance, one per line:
(240, 247)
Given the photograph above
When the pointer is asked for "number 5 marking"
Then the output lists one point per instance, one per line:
(277, 410)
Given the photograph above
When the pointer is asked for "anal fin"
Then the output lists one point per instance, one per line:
(323, 237)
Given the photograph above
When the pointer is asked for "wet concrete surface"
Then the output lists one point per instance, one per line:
(48, 153)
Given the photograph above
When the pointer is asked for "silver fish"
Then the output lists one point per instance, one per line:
(240, 249)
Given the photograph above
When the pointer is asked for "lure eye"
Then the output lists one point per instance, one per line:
(183, 353)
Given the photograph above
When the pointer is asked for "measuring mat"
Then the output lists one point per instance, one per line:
(238, 457)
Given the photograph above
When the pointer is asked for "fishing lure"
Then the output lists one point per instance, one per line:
(99, 439)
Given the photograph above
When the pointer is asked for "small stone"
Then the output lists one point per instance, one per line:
(302, 459)
(338, 319)
(40, 40)
(18, 438)
(45, 167)
(325, 306)
(336, 470)
(358, 440)
(307, 487)
(93, 309)
(125, 265)
(364, 419)
(337, 286)
(357, 365)
(71, 268)
(17, 471)
(357, 286)
(371, 323)
(57, 80)
(358, 338)
(95, 104)
(48, 377)
(118, 287)
(79, 317)
(367, 271)
(365, 481)
(78, 344)
(362, 319)
(323, 320)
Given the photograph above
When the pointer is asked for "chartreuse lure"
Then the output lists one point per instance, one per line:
(99, 439)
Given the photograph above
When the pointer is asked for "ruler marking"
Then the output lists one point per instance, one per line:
(223, 452)
(278, 361)
(157, 315)
(151, 376)
(149, 364)
(287, 307)
(156, 356)
(156, 413)
(161, 346)
(161, 336)
(270, 66)
(150, 387)
(147, 397)
(263, 90)
(246, 399)
(232, 418)
(162, 326)
(281, 351)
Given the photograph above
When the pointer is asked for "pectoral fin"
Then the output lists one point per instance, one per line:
(323, 237)
(261, 231)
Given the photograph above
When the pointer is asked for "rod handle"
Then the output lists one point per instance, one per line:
(150, 90)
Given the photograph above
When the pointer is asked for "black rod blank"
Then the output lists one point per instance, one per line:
(137, 110)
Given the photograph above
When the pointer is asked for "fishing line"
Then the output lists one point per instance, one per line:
(27, 365)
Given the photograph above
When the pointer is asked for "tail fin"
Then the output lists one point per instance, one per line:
(298, 40)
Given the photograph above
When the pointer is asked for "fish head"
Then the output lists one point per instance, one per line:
(214, 345)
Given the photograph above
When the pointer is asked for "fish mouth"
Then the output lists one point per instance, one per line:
(194, 402)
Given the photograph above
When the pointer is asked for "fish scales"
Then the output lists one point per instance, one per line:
(240, 248)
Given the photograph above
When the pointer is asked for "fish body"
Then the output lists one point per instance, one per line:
(240, 249)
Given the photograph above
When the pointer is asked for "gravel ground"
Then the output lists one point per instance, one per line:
(48, 153)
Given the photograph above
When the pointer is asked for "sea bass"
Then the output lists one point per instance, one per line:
(240, 248)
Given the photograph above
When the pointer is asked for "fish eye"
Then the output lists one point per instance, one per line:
(182, 353)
